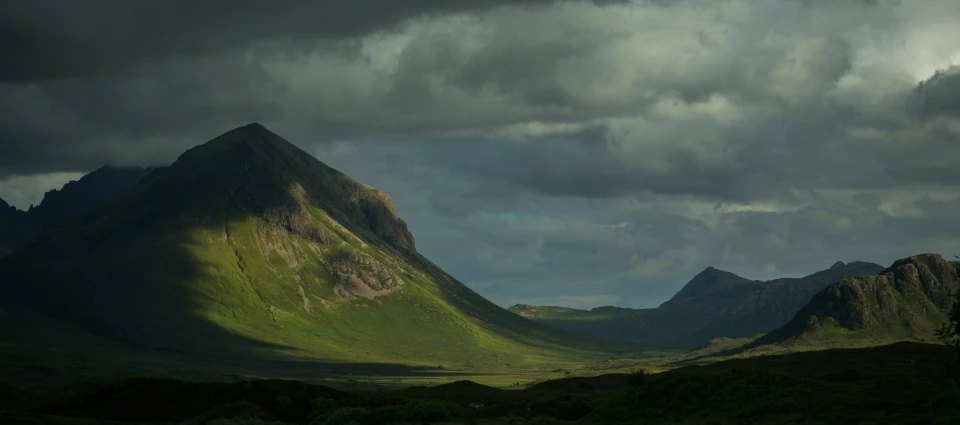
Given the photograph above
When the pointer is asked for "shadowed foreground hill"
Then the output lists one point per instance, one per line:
(248, 246)
(908, 301)
(713, 304)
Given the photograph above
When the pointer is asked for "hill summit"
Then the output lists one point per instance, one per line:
(907, 301)
(248, 245)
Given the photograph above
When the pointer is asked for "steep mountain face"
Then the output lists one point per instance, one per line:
(908, 301)
(714, 304)
(16, 229)
(249, 246)
(92, 190)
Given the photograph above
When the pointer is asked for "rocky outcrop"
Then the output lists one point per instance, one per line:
(363, 276)
(909, 300)
(383, 220)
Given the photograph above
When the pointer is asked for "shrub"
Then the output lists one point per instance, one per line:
(414, 411)
(246, 421)
(637, 378)
(347, 415)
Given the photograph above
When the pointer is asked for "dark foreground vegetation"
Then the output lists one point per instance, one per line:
(906, 383)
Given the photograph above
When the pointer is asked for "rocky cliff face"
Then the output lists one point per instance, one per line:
(909, 300)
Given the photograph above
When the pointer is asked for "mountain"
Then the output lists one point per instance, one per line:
(770, 304)
(16, 229)
(92, 190)
(713, 304)
(907, 301)
(709, 282)
(249, 247)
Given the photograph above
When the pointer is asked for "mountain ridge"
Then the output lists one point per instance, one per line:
(76, 197)
(736, 308)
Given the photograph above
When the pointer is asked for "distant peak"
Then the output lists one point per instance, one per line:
(838, 264)
(253, 127)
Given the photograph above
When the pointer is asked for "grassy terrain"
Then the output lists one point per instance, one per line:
(896, 384)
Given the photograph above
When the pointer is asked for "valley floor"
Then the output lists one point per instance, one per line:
(903, 383)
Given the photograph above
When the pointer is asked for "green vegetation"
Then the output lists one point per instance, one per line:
(900, 383)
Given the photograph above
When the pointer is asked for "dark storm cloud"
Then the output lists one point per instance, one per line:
(941, 93)
(574, 150)
(47, 39)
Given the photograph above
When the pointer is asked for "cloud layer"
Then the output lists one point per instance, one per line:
(581, 152)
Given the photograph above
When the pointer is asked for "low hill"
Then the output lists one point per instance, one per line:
(248, 246)
(714, 304)
(908, 301)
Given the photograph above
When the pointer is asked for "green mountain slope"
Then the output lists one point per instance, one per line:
(908, 301)
(249, 246)
(714, 304)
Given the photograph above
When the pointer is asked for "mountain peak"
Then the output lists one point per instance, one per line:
(709, 281)
(838, 264)
(251, 171)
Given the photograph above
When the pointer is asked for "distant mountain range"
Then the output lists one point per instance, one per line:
(714, 304)
(249, 247)
(17, 228)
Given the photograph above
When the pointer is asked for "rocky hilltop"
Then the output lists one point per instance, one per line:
(907, 301)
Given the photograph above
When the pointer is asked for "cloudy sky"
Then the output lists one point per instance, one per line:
(561, 152)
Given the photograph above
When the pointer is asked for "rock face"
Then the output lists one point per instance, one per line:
(909, 300)
(247, 243)
(714, 304)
